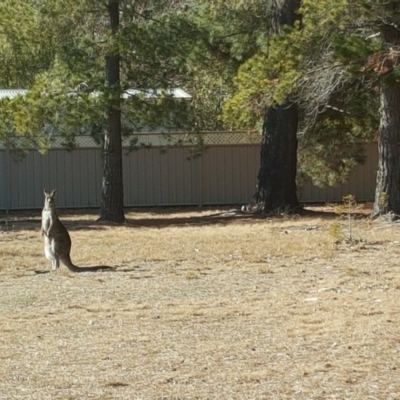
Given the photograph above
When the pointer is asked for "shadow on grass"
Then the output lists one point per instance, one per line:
(162, 217)
(97, 268)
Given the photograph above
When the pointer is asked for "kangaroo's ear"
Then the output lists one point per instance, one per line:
(53, 193)
(46, 192)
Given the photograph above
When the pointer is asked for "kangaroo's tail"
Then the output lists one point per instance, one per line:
(74, 268)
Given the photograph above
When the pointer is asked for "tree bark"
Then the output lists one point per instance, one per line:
(276, 188)
(387, 192)
(112, 196)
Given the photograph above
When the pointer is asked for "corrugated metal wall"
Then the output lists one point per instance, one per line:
(154, 177)
(77, 175)
(224, 174)
(229, 174)
(4, 181)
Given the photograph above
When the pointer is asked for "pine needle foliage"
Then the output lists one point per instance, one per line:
(56, 49)
(343, 229)
(316, 64)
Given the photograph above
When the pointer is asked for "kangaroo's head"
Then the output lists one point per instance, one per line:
(50, 199)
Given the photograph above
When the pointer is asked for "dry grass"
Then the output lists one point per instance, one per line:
(201, 307)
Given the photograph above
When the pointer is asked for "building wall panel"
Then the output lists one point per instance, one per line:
(224, 174)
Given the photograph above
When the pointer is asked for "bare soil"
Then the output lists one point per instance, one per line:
(203, 304)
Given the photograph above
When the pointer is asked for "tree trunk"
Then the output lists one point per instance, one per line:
(112, 196)
(276, 188)
(387, 192)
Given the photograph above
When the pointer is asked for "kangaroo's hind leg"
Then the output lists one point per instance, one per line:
(55, 263)
(51, 254)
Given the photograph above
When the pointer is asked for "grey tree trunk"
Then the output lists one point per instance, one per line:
(276, 188)
(112, 196)
(387, 192)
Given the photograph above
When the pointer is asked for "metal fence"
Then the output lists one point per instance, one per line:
(158, 175)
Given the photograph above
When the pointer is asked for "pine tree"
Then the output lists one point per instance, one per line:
(362, 40)
(309, 65)
(93, 54)
(112, 203)
(273, 68)
(239, 35)
(364, 44)
(387, 193)
(276, 187)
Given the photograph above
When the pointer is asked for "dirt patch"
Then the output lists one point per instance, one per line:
(202, 306)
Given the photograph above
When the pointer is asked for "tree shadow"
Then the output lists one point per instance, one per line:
(167, 217)
(323, 211)
(172, 216)
(224, 218)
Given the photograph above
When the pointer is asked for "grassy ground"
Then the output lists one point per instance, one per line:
(203, 305)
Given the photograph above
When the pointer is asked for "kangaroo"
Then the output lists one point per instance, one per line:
(57, 242)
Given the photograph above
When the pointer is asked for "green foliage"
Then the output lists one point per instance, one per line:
(228, 34)
(26, 48)
(64, 45)
(322, 65)
(330, 149)
(336, 231)
(356, 49)
(221, 52)
(331, 63)
(346, 212)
